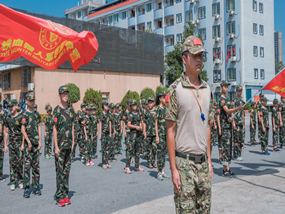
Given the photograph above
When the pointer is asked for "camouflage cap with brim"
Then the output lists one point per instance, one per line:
(261, 95)
(88, 107)
(238, 88)
(275, 101)
(264, 99)
(104, 102)
(150, 99)
(161, 93)
(62, 89)
(133, 102)
(49, 108)
(12, 103)
(30, 96)
(144, 101)
(117, 105)
(129, 101)
(35, 106)
(253, 103)
(193, 45)
(224, 82)
(82, 104)
(111, 105)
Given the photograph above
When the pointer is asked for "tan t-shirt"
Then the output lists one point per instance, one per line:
(183, 108)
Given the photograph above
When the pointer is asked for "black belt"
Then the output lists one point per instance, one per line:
(196, 159)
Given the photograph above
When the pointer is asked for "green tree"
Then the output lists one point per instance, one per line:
(74, 93)
(278, 66)
(146, 93)
(173, 60)
(130, 95)
(160, 88)
(94, 97)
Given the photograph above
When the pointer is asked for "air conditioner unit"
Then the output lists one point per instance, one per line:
(217, 39)
(232, 36)
(232, 12)
(13, 97)
(192, 1)
(197, 21)
(233, 58)
(31, 87)
(217, 16)
(217, 61)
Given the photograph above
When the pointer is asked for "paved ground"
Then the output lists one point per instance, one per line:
(93, 189)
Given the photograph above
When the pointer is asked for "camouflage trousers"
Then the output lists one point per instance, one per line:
(252, 135)
(151, 149)
(214, 136)
(259, 131)
(134, 148)
(105, 138)
(264, 140)
(238, 141)
(219, 142)
(111, 147)
(48, 143)
(282, 134)
(117, 140)
(76, 141)
(81, 144)
(31, 161)
(1, 155)
(16, 164)
(226, 144)
(161, 152)
(62, 166)
(94, 143)
(275, 136)
(145, 148)
(195, 191)
(88, 148)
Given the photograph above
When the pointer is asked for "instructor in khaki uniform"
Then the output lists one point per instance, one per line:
(188, 116)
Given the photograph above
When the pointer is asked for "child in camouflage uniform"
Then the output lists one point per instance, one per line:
(252, 124)
(88, 141)
(63, 133)
(1, 145)
(258, 107)
(31, 130)
(275, 125)
(134, 145)
(48, 133)
(13, 130)
(282, 122)
(82, 137)
(264, 120)
(113, 133)
(95, 121)
(118, 129)
(125, 120)
(77, 137)
(160, 130)
(149, 133)
(214, 127)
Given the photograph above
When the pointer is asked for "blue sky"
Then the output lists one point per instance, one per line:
(57, 8)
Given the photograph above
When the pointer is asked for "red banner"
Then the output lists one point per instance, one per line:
(42, 42)
(277, 84)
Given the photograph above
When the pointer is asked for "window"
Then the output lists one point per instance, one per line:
(232, 96)
(178, 18)
(231, 50)
(202, 12)
(231, 74)
(26, 76)
(262, 74)
(255, 51)
(159, 5)
(169, 41)
(231, 28)
(179, 37)
(6, 80)
(261, 31)
(105, 96)
(255, 73)
(255, 28)
(254, 5)
(116, 18)
(110, 19)
(217, 76)
(148, 7)
(149, 25)
(79, 14)
(230, 5)
(202, 34)
(23, 95)
(261, 52)
(216, 9)
(124, 14)
(216, 53)
(189, 16)
(260, 7)
(216, 31)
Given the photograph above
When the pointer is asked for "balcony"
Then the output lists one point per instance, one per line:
(168, 11)
(169, 30)
(168, 48)
(159, 31)
(141, 19)
(158, 14)
(131, 21)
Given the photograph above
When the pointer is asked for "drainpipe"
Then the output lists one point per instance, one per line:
(242, 50)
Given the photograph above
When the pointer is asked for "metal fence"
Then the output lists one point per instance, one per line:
(120, 49)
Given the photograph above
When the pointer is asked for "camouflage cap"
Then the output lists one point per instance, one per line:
(30, 96)
(150, 99)
(111, 105)
(49, 108)
(133, 102)
(161, 93)
(79, 113)
(144, 101)
(264, 99)
(88, 107)
(105, 102)
(253, 103)
(117, 105)
(238, 88)
(35, 106)
(224, 82)
(193, 45)
(93, 107)
(275, 101)
(261, 94)
(12, 103)
(82, 104)
(62, 89)
(129, 101)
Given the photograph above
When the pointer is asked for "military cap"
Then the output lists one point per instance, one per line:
(35, 106)
(133, 102)
(18, 109)
(275, 101)
(111, 105)
(105, 102)
(82, 104)
(30, 96)
(12, 103)
(63, 89)
(150, 99)
(261, 94)
(144, 101)
(129, 101)
(253, 103)
(264, 99)
(49, 108)
(88, 107)
(117, 105)
(238, 88)
(161, 93)
(79, 113)
(224, 82)
(93, 107)
(193, 45)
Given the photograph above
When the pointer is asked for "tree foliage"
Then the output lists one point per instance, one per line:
(278, 67)
(130, 95)
(94, 97)
(173, 60)
(146, 93)
(160, 88)
(74, 93)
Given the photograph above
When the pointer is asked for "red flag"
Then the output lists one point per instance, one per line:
(277, 84)
(43, 42)
(227, 58)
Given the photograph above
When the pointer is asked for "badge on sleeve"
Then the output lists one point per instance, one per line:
(167, 100)
(55, 120)
(23, 120)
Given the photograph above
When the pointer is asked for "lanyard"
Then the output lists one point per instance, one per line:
(200, 105)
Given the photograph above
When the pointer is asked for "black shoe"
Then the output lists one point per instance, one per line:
(232, 174)
(220, 161)
(37, 191)
(227, 174)
(27, 193)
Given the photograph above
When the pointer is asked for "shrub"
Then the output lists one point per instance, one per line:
(146, 93)
(130, 95)
(247, 107)
(74, 93)
(94, 97)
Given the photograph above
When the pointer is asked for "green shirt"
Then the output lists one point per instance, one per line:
(149, 119)
(275, 116)
(125, 119)
(253, 116)
(48, 123)
(135, 119)
(282, 110)
(264, 116)
(31, 121)
(223, 115)
(239, 116)
(161, 123)
(105, 118)
(14, 126)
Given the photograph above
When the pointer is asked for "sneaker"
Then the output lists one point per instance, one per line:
(139, 169)
(92, 156)
(238, 159)
(26, 193)
(87, 164)
(91, 163)
(159, 177)
(267, 153)
(37, 191)
(61, 203)
(276, 150)
(165, 176)
(220, 161)
(127, 170)
(227, 174)
(95, 156)
(82, 159)
(21, 186)
(66, 201)
(235, 159)
(12, 187)
(122, 149)
(114, 159)
(232, 174)
(241, 158)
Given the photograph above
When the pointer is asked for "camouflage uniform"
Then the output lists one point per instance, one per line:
(88, 144)
(94, 121)
(258, 107)
(264, 115)
(105, 137)
(81, 134)
(238, 132)
(125, 119)
(118, 136)
(77, 140)
(112, 141)
(161, 146)
(31, 121)
(275, 133)
(149, 119)
(282, 129)
(48, 138)
(253, 130)
(1, 147)
(215, 132)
